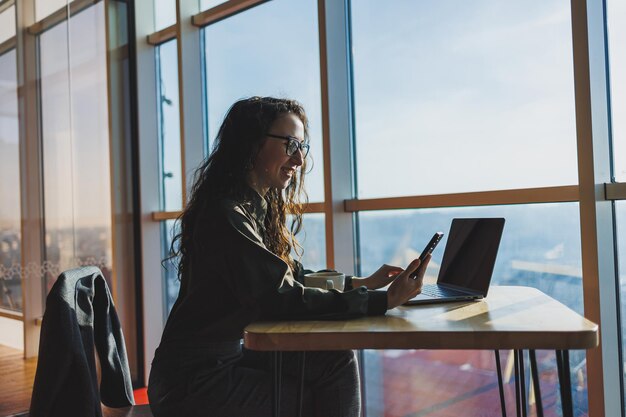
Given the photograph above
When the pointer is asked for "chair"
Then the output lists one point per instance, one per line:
(80, 314)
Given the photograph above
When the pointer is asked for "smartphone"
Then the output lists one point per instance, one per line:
(429, 248)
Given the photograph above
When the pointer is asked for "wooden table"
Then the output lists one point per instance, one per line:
(515, 318)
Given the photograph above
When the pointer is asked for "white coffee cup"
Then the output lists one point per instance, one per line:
(325, 280)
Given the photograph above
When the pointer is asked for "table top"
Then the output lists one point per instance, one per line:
(508, 318)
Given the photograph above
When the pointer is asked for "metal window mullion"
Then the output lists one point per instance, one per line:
(31, 176)
(160, 124)
(596, 213)
(149, 180)
(337, 128)
(190, 93)
(125, 243)
(328, 214)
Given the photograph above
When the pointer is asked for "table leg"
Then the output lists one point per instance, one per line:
(500, 384)
(301, 384)
(535, 377)
(277, 360)
(562, 363)
(522, 382)
(518, 402)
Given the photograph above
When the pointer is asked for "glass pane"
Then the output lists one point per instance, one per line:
(164, 14)
(10, 232)
(169, 127)
(312, 238)
(7, 24)
(462, 96)
(620, 214)
(243, 58)
(170, 273)
(75, 136)
(44, 8)
(616, 20)
(207, 4)
(540, 248)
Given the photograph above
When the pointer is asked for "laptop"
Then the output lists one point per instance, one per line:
(467, 264)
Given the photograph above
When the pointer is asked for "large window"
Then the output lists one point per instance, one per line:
(67, 171)
(452, 97)
(270, 50)
(10, 234)
(170, 162)
(75, 136)
(442, 99)
(540, 248)
(462, 96)
(169, 127)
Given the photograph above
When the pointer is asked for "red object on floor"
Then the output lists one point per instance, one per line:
(141, 396)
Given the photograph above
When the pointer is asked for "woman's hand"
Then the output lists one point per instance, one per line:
(403, 288)
(385, 275)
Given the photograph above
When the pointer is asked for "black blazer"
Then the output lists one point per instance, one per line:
(80, 313)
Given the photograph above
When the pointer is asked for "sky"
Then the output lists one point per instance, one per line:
(465, 96)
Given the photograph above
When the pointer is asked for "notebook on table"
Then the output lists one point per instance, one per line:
(467, 264)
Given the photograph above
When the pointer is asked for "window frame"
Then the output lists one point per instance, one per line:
(595, 192)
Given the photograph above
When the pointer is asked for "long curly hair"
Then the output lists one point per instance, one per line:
(224, 174)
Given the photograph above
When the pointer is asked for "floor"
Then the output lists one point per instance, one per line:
(398, 384)
(16, 381)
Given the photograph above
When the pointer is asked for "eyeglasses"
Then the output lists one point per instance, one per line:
(293, 145)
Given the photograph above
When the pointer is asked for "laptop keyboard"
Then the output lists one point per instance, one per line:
(439, 292)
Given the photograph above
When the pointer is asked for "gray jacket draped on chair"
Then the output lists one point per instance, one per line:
(80, 314)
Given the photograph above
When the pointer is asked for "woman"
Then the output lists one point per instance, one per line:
(235, 267)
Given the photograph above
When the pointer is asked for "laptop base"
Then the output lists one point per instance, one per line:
(427, 299)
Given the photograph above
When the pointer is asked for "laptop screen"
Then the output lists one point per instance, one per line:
(470, 253)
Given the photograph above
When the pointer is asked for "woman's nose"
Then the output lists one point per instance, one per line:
(297, 157)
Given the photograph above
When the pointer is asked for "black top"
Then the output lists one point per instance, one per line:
(236, 280)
